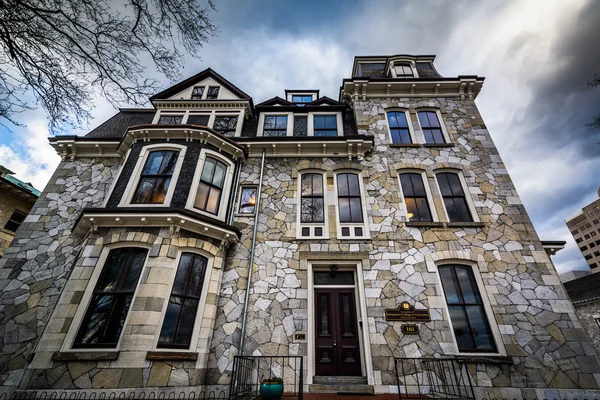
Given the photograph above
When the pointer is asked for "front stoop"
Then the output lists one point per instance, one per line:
(341, 385)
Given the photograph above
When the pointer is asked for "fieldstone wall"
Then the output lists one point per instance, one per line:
(34, 269)
(129, 366)
(538, 332)
(588, 313)
(8, 204)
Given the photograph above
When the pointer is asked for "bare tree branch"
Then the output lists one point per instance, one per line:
(595, 124)
(65, 51)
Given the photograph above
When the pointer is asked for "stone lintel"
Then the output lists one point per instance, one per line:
(425, 224)
(171, 356)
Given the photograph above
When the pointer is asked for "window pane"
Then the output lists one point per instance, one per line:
(312, 210)
(170, 119)
(455, 186)
(330, 122)
(462, 210)
(208, 169)
(479, 328)
(334, 278)
(274, 133)
(168, 165)
(196, 279)
(433, 119)
(109, 277)
(464, 340)
(198, 120)
(324, 325)
(437, 136)
(423, 119)
(213, 92)
(201, 196)
(197, 93)
(344, 205)
(186, 322)
(135, 269)
(319, 122)
(160, 190)
(153, 163)
(306, 185)
(248, 200)
(169, 327)
(91, 332)
(219, 175)
(393, 119)
(406, 182)
(355, 210)
(469, 291)
(342, 184)
(353, 186)
(405, 136)
(317, 185)
(212, 206)
(417, 184)
(451, 209)
(281, 122)
(444, 184)
(186, 262)
(423, 209)
(428, 136)
(450, 291)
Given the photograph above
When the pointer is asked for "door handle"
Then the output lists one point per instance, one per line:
(334, 343)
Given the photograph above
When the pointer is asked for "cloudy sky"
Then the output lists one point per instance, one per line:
(536, 57)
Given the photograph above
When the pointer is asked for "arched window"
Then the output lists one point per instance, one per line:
(399, 130)
(349, 198)
(104, 319)
(312, 208)
(454, 197)
(415, 197)
(156, 177)
(432, 130)
(178, 325)
(208, 197)
(465, 306)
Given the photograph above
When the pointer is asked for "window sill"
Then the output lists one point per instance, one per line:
(493, 359)
(172, 356)
(85, 355)
(426, 224)
(439, 145)
(405, 145)
(465, 224)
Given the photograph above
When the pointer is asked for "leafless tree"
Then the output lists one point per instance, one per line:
(594, 82)
(65, 52)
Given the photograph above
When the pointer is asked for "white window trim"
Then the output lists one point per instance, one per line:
(161, 113)
(290, 122)
(201, 303)
(313, 95)
(440, 119)
(411, 130)
(227, 113)
(311, 122)
(226, 185)
(465, 188)
(411, 64)
(299, 224)
(430, 202)
(239, 200)
(363, 200)
(86, 299)
(487, 306)
(135, 176)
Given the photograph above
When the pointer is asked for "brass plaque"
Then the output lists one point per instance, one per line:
(410, 329)
(406, 312)
(300, 336)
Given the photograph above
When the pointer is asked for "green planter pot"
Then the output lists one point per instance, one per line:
(271, 391)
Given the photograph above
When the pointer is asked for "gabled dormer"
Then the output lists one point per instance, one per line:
(301, 97)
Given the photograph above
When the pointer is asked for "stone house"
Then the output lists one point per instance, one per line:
(16, 199)
(361, 220)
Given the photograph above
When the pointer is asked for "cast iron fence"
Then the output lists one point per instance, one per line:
(249, 371)
(116, 394)
(433, 378)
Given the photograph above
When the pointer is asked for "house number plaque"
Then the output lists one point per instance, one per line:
(406, 312)
(410, 329)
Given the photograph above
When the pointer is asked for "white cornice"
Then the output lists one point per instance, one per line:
(362, 89)
(347, 148)
(188, 104)
(72, 147)
(175, 220)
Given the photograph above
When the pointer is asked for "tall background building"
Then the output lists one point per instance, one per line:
(585, 228)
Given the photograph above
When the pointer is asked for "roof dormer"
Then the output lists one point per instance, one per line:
(301, 97)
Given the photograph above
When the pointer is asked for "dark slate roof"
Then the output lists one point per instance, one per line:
(250, 127)
(325, 100)
(275, 100)
(584, 288)
(207, 73)
(116, 126)
(427, 70)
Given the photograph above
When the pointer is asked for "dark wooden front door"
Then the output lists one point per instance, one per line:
(337, 348)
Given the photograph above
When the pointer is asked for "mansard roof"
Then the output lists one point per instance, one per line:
(116, 126)
(207, 73)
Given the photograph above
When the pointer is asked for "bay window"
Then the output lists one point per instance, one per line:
(155, 177)
(210, 188)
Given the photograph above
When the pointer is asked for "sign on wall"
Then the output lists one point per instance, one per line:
(409, 329)
(406, 312)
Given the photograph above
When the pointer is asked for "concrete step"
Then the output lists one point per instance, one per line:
(341, 388)
(340, 380)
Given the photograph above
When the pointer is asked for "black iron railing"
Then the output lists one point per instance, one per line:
(107, 394)
(249, 371)
(433, 378)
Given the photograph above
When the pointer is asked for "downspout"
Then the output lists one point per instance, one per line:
(234, 194)
(251, 262)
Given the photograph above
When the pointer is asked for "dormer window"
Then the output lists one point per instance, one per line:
(213, 93)
(226, 125)
(325, 125)
(275, 125)
(197, 93)
(403, 71)
(301, 100)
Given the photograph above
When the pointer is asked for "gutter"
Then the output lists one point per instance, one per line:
(251, 261)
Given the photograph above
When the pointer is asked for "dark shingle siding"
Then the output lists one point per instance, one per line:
(118, 124)
(426, 70)
(584, 288)
(350, 128)
(249, 127)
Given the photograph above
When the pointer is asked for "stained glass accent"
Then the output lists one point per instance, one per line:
(201, 120)
(300, 125)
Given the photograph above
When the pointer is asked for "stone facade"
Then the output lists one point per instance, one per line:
(589, 315)
(541, 348)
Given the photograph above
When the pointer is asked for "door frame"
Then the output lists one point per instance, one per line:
(361, 310)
